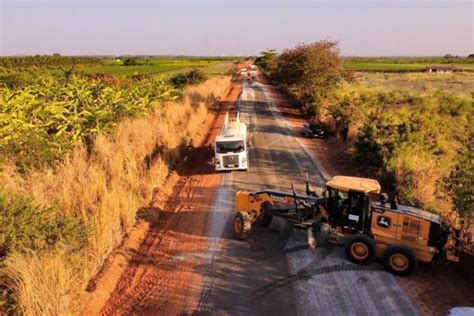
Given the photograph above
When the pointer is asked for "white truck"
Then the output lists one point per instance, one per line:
(231, 150)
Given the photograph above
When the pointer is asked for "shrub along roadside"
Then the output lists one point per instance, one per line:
(459, 184)
(181, 80)
(102, 187)
(308, 72)
(27, 227)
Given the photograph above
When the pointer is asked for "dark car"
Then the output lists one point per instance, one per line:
(313, 130)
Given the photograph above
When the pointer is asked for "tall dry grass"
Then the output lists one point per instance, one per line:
(105, 188)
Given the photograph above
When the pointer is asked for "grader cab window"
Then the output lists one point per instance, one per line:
(347, 208)
(411, 226)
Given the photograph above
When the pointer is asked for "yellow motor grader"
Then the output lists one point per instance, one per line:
(371, 227)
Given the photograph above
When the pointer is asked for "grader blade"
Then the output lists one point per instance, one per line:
(311, 239)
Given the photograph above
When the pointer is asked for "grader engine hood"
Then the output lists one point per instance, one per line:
(242, 202)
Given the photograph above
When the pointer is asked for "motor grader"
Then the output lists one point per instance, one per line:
(370, 227)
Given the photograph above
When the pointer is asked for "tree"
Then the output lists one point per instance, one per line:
(131, 61)
(310, 72)
(470, 56)
(459, 185)
(267, 60)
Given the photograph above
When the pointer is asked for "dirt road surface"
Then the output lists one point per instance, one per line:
(274, 272)
(189, 263)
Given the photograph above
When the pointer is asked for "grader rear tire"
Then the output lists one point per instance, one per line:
(400, 260)
(241, 225)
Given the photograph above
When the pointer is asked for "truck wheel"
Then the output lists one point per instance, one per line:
(400, 260)
(360, 249)
(266, 218)
(241, 225)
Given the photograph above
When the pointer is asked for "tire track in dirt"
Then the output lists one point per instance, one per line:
(310, 273)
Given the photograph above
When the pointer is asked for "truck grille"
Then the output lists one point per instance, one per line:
(231, 160)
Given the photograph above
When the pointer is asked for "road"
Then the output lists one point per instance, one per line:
(189, 262)
(274, 272)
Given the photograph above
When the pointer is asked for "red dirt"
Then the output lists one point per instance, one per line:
(434, 288)
(157, 269)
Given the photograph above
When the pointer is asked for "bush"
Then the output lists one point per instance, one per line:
(378, 140)
(181, 80)
(309, 72)
(131, 61)
(459, 184)
(267, 60)
(27, 226)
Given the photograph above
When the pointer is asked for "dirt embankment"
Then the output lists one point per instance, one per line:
(156, 270)
(433, 288)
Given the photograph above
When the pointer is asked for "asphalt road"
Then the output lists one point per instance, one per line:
(274, 272)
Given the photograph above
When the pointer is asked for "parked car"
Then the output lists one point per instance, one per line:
(313, 130)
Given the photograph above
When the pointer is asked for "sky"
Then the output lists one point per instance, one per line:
(238, 27)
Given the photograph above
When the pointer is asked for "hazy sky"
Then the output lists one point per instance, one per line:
(383, 27)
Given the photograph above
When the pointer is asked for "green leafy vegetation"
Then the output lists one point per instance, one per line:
(44, 62)
(405, 64)
(181, 80)
(267, 60)
(158, 65)
(307, 72)
(42, 121)
(27, 227)
(459, 184)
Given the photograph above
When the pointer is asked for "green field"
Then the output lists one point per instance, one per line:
(161, 65)
(404, 64)
(385, 67)
(23, 71)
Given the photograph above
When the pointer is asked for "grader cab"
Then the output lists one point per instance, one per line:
(354, 209)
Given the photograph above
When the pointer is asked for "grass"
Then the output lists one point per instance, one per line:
(161, 66)
(461, 83)
(395, 67)
(104, 188)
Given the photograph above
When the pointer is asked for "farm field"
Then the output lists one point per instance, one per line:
(22, 71)
(161, 65)
(459, 83)
(407, 64)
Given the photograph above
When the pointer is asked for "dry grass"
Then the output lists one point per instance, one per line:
(105, 189)
(462, 83)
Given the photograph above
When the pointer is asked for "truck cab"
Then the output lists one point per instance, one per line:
(230, 147)
(253, 72)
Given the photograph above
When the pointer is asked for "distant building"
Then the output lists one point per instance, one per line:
(443, 69)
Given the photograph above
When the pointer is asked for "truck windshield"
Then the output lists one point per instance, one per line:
(228, 147)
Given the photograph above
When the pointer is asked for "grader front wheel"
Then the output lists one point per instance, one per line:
(241, 225)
